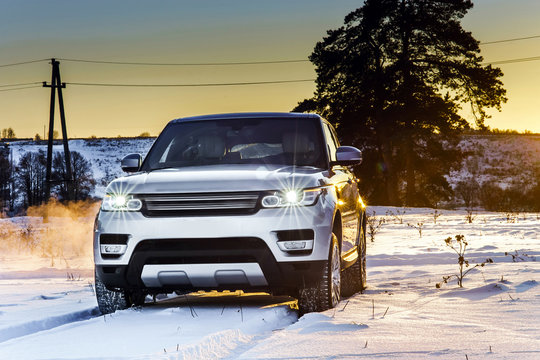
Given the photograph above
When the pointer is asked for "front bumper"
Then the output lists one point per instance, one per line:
(166, 253)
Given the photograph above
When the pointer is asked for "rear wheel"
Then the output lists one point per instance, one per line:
(135, 298)
(362, 260)
(354, 277)
(327, 292)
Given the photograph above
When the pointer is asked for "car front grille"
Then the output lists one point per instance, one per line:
(230, 203)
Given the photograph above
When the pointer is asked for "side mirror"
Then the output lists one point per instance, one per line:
(347, 156)
(131, 163)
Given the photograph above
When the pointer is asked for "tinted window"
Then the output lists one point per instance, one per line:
(238, 141)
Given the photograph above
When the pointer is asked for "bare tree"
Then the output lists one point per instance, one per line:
(8, 133)
(83, 180)
(467, 191)
(6, 182)
(31, 177)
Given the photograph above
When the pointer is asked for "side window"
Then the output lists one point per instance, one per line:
(334, 135)
(330, 141)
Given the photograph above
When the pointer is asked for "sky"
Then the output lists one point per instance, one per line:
(178, 31)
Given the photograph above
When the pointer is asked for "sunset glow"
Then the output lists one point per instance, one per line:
(209, 32)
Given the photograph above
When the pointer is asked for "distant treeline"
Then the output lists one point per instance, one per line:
(490, 196)
(495, 131)
(22, 184)
(486, 131)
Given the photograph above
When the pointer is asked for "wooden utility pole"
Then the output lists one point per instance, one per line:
(56, 85)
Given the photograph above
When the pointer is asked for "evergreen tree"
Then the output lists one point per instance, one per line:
(393, 80)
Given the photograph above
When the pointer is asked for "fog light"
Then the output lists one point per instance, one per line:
(295, 245)
(113, 249)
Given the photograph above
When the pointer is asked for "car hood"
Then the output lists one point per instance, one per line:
(220, 178)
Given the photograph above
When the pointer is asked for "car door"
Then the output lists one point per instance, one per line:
(347, 192)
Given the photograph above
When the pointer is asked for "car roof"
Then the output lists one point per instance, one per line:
(248, 115)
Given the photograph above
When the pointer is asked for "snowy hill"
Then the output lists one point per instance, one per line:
(505, 160)
(104, 155)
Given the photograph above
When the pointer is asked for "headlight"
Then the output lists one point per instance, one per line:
(291, 198)
(118, 202)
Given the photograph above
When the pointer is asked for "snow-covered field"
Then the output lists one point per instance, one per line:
(50, 312)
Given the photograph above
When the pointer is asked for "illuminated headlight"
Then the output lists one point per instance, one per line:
(291, 198)
(117, 202)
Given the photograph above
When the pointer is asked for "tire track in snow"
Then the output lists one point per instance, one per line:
(245, 346)
(35, 326)
(214, 346)
(231, 343)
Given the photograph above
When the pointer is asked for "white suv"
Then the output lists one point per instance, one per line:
(249, 201)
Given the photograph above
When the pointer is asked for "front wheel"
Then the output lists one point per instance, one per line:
(109, 301)
(327, 292)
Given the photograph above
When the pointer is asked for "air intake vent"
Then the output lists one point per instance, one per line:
(113, 239)
(288, 235)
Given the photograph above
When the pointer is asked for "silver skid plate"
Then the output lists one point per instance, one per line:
(203, 275)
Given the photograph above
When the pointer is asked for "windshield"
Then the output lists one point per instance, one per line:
(238, 141)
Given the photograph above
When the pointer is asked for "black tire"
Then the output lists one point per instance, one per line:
(351, 282)
(327, 292)
(136, 298)
(354, 277)
(109, 301)
(362, 269)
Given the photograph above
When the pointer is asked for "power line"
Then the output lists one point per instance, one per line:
(509, 40)
(192, 85)
(264, 62)
(187, 64)
(512, 61)
(24, 62)
(22, 88)
(20, 84)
